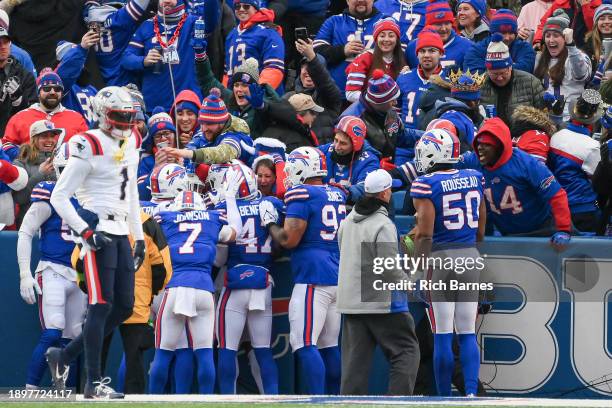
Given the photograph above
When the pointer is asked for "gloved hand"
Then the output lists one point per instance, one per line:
(484, 307)
(199, 43)
(387, 164)
(605, 151)
(267, 213)
(568, 35)
(233, 181)
(549, 99)
(95, 239)
(256, 99)
(29, 288)
(560, 240)
(12, 88)
(558, 105)
(139, 253)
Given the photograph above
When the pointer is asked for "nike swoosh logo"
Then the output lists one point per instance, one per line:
(274, 46)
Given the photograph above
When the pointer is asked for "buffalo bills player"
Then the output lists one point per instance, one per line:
(314, 213)
(61, 303)
(451, 218)
(246, 296)
(166, 182)
(192, 234)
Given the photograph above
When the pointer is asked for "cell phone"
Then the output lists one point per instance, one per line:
(301, 33)
(95, 27)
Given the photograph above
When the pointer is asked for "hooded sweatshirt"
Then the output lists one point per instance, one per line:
(521, 192)
(368, 224)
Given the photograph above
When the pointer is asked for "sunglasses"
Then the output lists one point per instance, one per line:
(242, 6)
(52, 88)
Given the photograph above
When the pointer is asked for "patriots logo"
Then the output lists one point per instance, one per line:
(246, 274)
(547, 182)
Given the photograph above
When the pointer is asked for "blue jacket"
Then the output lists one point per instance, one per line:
(24, 59)
(522, 54)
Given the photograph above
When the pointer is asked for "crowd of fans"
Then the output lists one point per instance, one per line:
(361, 80)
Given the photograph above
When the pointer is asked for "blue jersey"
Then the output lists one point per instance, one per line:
(517, 192)
(116, 33)
(237, 140)
(340, 29)
(76, 97)
(258, 41)
(412, 86)
(409, 15)
(192, 238)
(316, 258)
(56, 241)
(456, 196)
(353, 173)
(145, 167)
(454, 51)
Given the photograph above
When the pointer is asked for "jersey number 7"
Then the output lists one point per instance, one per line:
(195, 228)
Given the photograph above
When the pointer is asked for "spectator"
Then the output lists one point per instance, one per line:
(349, 158)
(50, 90)
(256, 37)
(185, 113)
(238, 98)
(530, 16)
(573, 158)
(439, 89)
(385, 130)
(531, 130)
(598, 43)
(315, 80)
(140, 119)
(410, 15)
(79, 93)
(373, 317)
(343, 37)
(506, 88)
(269, 166)
(222, 138)
(309, 14)
(563, 69)
(413, 84)
(36, 158)
(294, 119)
(522, 54)
(602, 179)
(17, 88)
(441, 19)
(18, 53)
(150, 56)
(115, 23)
(386, 55)
(581, 15)
(12, 178)
(472, 17)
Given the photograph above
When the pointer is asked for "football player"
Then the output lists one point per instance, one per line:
(314, 213)
(101, 171)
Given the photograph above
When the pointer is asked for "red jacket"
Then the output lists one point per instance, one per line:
(588, 14)
(18, 127)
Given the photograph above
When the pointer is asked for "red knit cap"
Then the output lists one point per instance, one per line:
(438, 11)
(386, 24)
(429, 37)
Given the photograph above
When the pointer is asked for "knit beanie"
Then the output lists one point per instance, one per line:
(381, 88)
(247, 72)
(602, 10)
(386, 24)
(479, 5)
(438, 11)
(503, 21)
(558, 22)
(62, 49)
(213, 108)
(498, 55)
(429, 37)
(48, 77)
(160, 120)
(254, 3)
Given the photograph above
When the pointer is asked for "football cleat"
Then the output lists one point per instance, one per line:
(59, 371)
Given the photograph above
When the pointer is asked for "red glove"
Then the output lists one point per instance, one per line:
(340, 186)
(202, 171)
(8, 172)
(387, 164)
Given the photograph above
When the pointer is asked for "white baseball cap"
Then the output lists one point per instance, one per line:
(43, 126)
(380, 180)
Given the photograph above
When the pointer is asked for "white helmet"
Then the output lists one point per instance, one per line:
(188, 201)
(193, 183)
(304, 163)
(248, 187)
(115, 109)
(168, 180)
(436, 146)
(216, 175)
(60, 159)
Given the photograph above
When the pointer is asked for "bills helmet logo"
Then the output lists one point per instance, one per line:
(246, 274)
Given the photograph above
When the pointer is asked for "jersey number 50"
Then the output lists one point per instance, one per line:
(455, 218)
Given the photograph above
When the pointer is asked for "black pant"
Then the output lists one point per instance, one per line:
(110, 286)
(136, 338)
(587, 221)
(394, 333)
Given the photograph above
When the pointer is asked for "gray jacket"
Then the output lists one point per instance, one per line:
(355, 230)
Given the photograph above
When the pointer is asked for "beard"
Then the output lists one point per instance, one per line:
(50, 103)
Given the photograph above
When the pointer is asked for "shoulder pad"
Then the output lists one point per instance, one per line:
(85, 145)
(42, 191)
(294, 194)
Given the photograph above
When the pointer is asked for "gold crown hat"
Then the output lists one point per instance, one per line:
(466, 85)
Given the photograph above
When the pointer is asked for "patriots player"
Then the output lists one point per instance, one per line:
(451, 218)
(314, 213)
(246, 297)
(410, 15)
(61, 304)
(118, 21)
(192, 234)
(102, 172)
